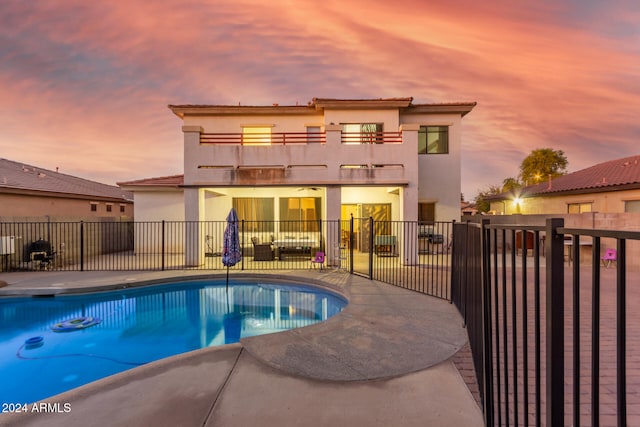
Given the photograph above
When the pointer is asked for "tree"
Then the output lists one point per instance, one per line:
(510, 184)
(542, 163)
(482, 204)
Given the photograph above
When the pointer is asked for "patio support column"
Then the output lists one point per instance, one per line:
(332, 233)
(193, 205)
(192, 238)
(409, 197)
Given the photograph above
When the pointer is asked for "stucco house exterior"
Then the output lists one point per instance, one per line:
(32, 193)
(608, 187)
(326, 160)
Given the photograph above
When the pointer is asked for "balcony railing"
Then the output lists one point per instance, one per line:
(371, 138)
(285, 138)
(264, 138)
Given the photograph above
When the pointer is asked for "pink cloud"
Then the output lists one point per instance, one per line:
(92, 80)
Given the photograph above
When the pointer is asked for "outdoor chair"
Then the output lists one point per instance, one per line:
(261, 251)
(318, 259)
(41, 255)
(610, 256)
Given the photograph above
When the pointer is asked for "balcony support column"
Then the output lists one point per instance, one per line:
(409, 196)
(192, 154)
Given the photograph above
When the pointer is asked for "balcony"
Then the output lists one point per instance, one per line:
(302, 158)
(273, 138)
(288, 138)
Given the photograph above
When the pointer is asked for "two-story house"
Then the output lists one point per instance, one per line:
(326, 160)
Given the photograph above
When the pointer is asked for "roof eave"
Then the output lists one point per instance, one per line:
(462, 108)
(360, 104)
(62, 195)
(227, 110)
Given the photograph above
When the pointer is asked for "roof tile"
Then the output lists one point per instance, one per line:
(611, 174)
(21, 176)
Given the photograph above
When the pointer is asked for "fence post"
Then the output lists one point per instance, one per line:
(452, 273)
(465, 271)
(351, 245)
(242, 246)
(555, 322)
(371, 233)
(163, 248)
(487, 353)
(81, 245)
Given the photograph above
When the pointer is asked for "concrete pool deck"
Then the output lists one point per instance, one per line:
(385, 360)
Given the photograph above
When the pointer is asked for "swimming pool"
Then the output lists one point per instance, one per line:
(140, 325)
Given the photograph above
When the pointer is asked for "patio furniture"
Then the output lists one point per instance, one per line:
(610, 256)
(385, 245)
(318, 259)
(295, 246)
(261, 251)
(41, 255)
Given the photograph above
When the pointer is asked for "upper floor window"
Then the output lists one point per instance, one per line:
(362, 133)
(109, 207)
(433, 140)
(122, 208)
(93, 206)
(314, 133)
(574, 208)
(256, 135)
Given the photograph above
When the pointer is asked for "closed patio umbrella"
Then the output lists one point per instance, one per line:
(231, 252)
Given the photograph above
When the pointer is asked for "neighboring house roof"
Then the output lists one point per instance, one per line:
(467, 205)
(614, 175)
(163, 181)
(17, 177)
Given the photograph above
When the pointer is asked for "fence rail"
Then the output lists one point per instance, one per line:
(548, 322)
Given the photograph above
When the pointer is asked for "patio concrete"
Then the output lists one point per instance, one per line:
(385, 360)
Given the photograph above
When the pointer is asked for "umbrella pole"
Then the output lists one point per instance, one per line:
(227, 279)
(227, 301)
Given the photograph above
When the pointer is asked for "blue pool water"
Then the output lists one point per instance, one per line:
(138, 326)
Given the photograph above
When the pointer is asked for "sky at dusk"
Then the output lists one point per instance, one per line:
(84, 85)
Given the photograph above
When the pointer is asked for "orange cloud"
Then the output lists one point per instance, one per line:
(86, 84)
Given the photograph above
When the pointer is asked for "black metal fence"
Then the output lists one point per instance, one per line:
(546, 310)
(403, 253)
